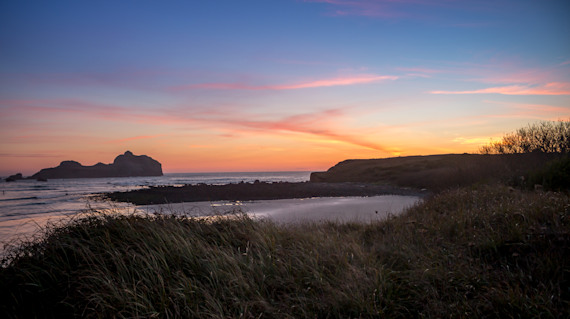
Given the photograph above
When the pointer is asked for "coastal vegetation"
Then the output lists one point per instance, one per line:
(543, 136)
(481, 251)
(478, 248)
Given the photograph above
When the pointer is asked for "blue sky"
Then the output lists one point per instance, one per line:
(273, 85)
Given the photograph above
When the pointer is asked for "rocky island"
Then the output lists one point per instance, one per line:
(125, 165)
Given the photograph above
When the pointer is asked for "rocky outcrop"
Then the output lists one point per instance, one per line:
(125, 165)
(14, 177)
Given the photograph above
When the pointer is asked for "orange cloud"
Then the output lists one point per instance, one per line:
(554, 88)
(311, 124)
(319, 126)
(338, 81)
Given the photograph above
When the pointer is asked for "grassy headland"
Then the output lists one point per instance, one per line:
(439, 172)
(481, 251)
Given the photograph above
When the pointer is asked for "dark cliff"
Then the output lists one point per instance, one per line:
(124, 166)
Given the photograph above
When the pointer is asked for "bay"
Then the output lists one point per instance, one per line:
(26, 205)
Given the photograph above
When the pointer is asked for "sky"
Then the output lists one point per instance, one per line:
(279, 85)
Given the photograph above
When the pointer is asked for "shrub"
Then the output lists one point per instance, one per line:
(544, 136)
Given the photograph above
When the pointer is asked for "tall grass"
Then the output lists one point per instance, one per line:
(485, 251)
(544, 136)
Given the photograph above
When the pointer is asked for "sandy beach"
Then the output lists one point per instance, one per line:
(359, 209)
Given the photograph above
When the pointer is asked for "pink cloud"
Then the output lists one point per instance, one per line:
(338, 81)
(554, 88)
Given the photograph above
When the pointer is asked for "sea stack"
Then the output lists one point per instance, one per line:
(125, 165)
(14, 178)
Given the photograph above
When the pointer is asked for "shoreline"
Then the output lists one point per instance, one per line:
(298, 210)
(255, 191)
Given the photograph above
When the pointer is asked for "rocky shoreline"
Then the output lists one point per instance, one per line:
(255, 191)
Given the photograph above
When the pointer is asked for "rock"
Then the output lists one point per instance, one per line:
(125, 165)
(318, 177)
(14, 178)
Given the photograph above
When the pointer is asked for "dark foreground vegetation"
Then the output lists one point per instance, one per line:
(482, 251)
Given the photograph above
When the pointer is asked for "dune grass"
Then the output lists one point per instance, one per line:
(481, 251)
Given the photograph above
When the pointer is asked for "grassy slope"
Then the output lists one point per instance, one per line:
(435, 172)
(482, 251)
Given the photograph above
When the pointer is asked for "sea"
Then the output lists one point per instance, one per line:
(26, 205)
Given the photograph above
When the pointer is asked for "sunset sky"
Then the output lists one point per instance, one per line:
(273, 85)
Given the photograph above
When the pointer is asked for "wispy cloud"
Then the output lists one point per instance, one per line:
(316, 124)
(554, 88)
(337, 81)
(322, 126)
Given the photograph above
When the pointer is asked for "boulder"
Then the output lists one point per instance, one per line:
(125, 165)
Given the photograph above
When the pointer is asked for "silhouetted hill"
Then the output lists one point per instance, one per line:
(124, 166)
(436, 171)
